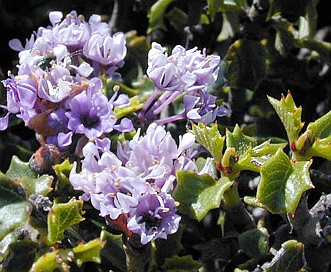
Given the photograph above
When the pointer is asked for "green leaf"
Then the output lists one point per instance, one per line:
(13, 216)
(134, 105)
(322, 48)
(5, 243)
(89, 252)
(156, 15)
(288, 258)
(62, 216)
(10, 192)
(320, 135)
(39, 186)
(282, 183)
(184, 263)
(254, 242)
(241, 142)
(289, 114)
(198, 194)
(210, 138)
(18, 169)
(230, 26)
(51, 261)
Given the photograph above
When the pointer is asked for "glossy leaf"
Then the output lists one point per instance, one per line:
(288, 258)
(254, 242)
(213, 8)
(210, 138)
(51, 261)
(89, 252)
(39, 186)
(198, 194)
(282, 183)
(62, 216)
(10, 192)
(289, 114)
(18, 169)
(237, 139)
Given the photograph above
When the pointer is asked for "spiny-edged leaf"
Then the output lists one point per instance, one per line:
(288, 258)
(254, 242)
(113, 250)
(51, 261)
(63, 170)
(22, 255)
(13, 216)
(184, 263)
(289, 114)
(39, 186)
(246, 60)
(210, 138)
(18, 169)
(156, 14)
(62, 216)
(198, 194)
(282, 183)
(10, 192)
(134, 105)
(89, 252)
(237, 139)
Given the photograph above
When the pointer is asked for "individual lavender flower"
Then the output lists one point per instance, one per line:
(107, 52)
(72, 32)
(154, 217)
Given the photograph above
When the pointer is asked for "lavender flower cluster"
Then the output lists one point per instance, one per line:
(137, 182)
(58, 92)
(184, 72)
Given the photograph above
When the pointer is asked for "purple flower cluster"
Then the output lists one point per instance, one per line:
(184, 72)
(57, 91)
(137, 182)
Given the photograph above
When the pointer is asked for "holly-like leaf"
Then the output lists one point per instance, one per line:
(39, 186)
(18, 169)
(239, 140)
(210, 138)
(198, 194)
(288, 258)
(282, 183)
(254, 242)
(62, 216)
(289, 114)
(89, 252)
(52, 261)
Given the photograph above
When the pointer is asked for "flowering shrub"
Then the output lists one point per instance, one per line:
(146, 158)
